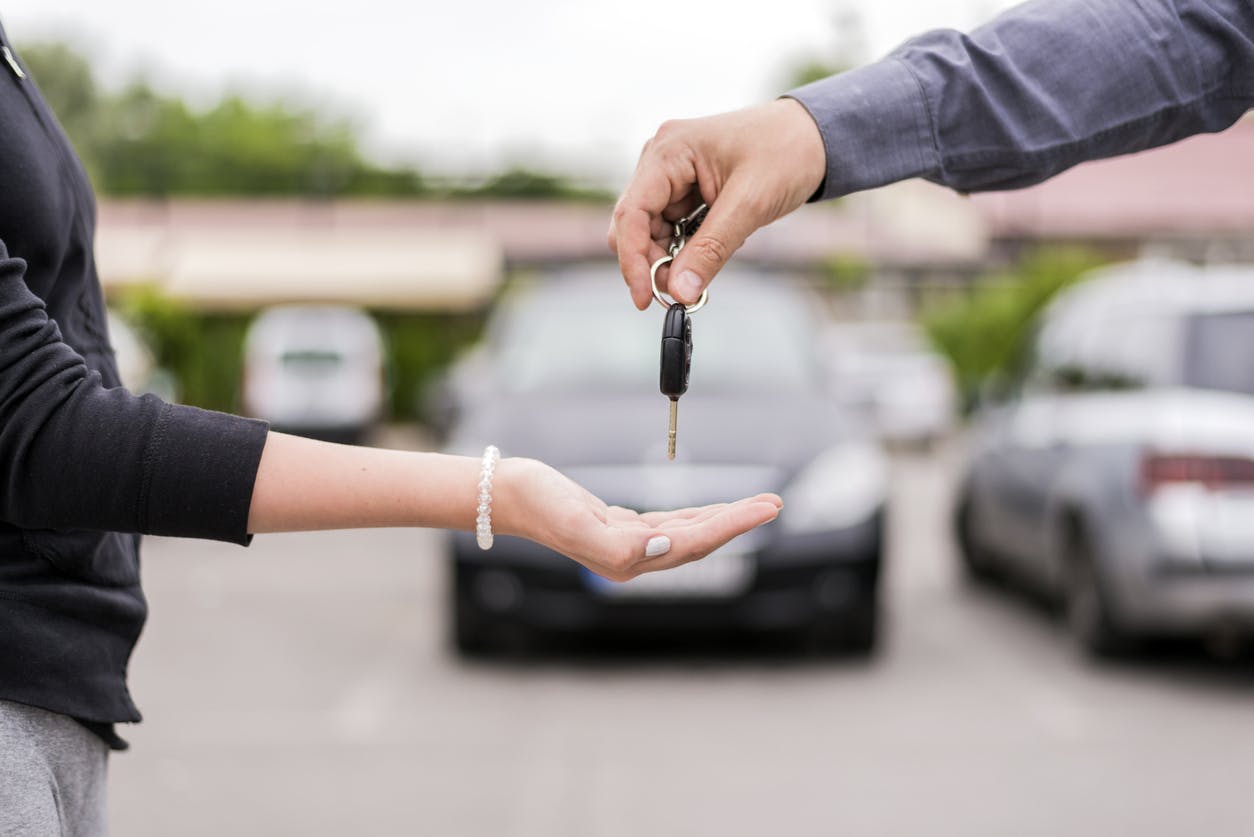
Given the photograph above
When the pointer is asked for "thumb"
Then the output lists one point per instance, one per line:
(724, 229)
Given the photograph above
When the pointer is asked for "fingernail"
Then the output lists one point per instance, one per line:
(656, 546)
(689, 285)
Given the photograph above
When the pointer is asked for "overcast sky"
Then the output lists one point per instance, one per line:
(467, 85)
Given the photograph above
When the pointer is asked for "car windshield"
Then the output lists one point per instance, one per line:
(1219, 350)
(758, 342)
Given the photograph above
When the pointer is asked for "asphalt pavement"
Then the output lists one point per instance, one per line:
(303, 687)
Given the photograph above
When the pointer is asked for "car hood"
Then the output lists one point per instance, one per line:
(615, 445)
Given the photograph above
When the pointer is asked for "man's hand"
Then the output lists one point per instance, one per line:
(751, 166)
(539, 503)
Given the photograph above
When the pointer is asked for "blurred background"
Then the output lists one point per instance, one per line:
(1013, 586)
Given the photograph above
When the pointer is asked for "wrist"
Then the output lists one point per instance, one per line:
(864, 113)
(509, 492)
(801, 136)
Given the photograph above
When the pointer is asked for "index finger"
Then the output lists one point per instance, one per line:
(648, 195)
(696, 514)
(630, 239)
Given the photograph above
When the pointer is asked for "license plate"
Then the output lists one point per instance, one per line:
(720, 575)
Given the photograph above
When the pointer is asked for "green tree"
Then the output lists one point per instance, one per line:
(849, 50)
(986, 333)
(69, 85)
(141, 142)
(151, 144)
(526, 184)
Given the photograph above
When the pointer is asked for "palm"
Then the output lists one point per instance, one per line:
(610, 540)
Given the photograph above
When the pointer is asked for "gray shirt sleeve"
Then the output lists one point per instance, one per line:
(1047, 85)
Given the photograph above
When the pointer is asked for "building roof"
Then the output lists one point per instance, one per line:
(1201, 186)
(237, 254)
(426, 254)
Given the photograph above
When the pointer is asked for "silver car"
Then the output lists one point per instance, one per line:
(1119, 478)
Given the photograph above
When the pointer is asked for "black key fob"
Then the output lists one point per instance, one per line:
(676, 351)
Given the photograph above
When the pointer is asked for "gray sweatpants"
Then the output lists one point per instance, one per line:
(52, 775)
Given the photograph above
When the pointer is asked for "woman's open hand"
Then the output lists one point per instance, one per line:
(537, 502)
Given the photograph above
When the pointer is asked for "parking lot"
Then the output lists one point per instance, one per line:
(303, 686)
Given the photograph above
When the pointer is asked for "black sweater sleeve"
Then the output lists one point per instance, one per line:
(77, 455)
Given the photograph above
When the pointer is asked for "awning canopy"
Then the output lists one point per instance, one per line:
(254, 264)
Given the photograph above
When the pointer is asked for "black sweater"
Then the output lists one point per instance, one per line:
(84, 464)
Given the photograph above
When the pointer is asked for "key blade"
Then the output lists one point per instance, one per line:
(670, 436)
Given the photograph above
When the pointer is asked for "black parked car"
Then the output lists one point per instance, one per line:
(569, 375)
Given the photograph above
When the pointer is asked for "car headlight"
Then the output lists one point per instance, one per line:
(843, 486)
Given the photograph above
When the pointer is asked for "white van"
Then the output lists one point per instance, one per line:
(315, 370)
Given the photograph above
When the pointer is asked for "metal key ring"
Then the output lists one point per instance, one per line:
(690, 309)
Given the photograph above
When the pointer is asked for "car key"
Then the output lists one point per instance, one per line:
(677, 329)
(676, 364)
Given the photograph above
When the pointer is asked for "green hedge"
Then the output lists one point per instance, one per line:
(987, 331)
(419, 348)
(204, 350)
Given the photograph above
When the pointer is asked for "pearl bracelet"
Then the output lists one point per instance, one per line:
(483, 521)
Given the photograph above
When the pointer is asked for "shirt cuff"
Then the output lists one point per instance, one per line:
(875, 127)
(200, 472)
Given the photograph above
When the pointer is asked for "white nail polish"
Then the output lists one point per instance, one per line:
(656, 546)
